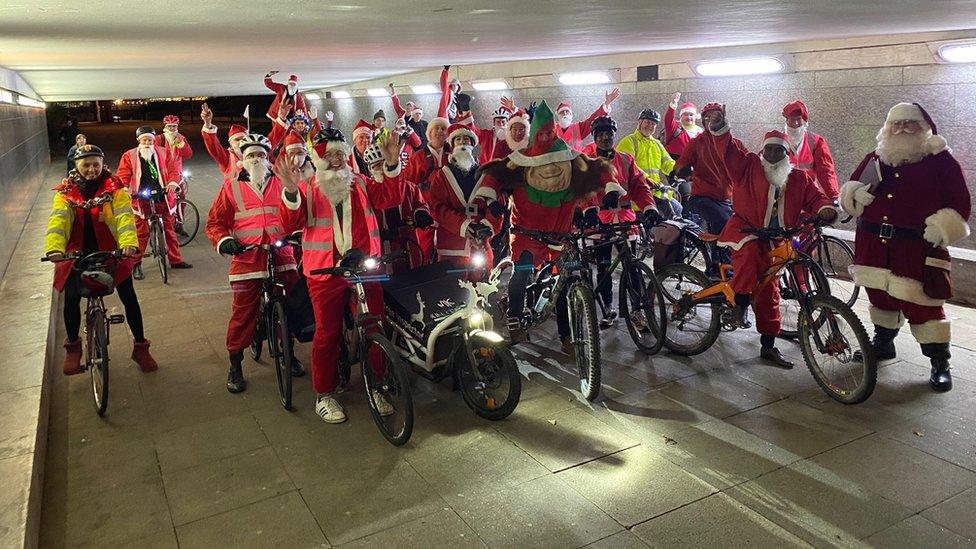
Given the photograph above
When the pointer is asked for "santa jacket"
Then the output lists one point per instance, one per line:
(491, 146)
(575, 133)
(931, 191)
(130, 173)
(753, 196)
(676, 137)
(222, 225)
(177, 154)
(280, 90)
(706, 154)
(634, 184)
(454, 213)
(813, 156)
(422, 164)
(225, 157)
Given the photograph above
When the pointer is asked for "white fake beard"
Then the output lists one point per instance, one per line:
(257, 171)
(291, 88)
(334, 184)
(500, 132)
(903, 148)
(777, 174)
(146, 152)
(795, 135)
(170, 136)
(463, 157)
(565, 121)
(306, 170)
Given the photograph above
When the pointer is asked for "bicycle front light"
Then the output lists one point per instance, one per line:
(186, 173)
(370, 263)
(146, 193)
(279, 243)
(476, 319)
(478, 260)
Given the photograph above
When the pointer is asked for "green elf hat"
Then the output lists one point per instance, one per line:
(545, 146)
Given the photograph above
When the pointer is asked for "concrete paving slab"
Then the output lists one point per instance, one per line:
(204, 442)
(719, 393)
(941, 434)
(917, 531)
(441, 530)
(649, 414)
(957, 513)
(620, 540)
(16, 474)
(116, 514)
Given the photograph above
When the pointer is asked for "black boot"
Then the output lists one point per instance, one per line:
(235, 377)
(297, 368)
(740, 314)
(771, 353)
(938, 355)
(883, 344)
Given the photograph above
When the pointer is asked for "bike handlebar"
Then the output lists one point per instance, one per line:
(768, 233)
(548, 237)
(360, 267)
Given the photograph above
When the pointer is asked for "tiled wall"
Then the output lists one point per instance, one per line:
(846, 106)
(24, 157)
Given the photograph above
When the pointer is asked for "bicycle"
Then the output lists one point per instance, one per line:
(273, 324)
(568, 272)
(639, 288)
(700, 309)
(157, 234)
(186, 217)
(96, 271)
(362, 333)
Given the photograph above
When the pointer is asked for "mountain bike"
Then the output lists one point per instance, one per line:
(186, 217)
(157, 233)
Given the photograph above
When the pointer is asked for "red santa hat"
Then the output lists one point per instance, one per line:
(457, 130)
(411, 107)
(776, 137)
(171, 119)
(294, 141)
(712, 107)
(236, 130)
(796, 108)
(688, 106)
(362, 127)
(293, 79)
(914, 111)
(519, 117)
(563, 105)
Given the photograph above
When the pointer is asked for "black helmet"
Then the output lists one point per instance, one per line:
(604, 124)
(648, 114)
(329, 134)
(87, 150)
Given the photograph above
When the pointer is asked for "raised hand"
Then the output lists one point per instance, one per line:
(508, 103)
(206, 115)
(675, 98)
(392, 89)
(313, 113)
(611, 96)
(390, 147)
(270, 74)
(287, 173)
(329, 115)
(283, 109)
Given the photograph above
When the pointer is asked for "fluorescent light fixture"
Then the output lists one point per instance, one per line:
(6, 97)
(378, 92)
(740, 67)
(586, 77)
(958, 53)
(425, 89)
(313, 95)
(28, 102)
(340, 94)
(490, 85)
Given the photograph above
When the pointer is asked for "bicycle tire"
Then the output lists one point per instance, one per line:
(687, 279)
(98, 367)
(868, 362)
(501, 370)
(789, 305)
(189, 217)
(695, 252)
(836, 271)
(585, 334)
(395, 379)
(279, 347)
(649, 295)
(160, 251)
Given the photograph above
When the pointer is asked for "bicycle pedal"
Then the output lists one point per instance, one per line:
(116, 319)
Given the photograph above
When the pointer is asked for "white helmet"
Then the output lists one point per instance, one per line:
(500, 112)
(254, 140)
(373, 154)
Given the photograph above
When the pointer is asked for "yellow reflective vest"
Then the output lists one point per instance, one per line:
(649, 154)
(116, 214)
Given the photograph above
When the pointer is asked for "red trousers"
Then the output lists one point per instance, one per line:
(245, 308)
(329, 298)
(142, 230)
(749, 263)
(928, 323)
(425, 238)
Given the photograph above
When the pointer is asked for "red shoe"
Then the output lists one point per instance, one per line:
(72, 358)
(141, 356)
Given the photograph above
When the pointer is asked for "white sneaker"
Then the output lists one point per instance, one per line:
(328, 408)
(382, 406)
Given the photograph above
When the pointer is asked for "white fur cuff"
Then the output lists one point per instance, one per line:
(950, 224)
(209, 129)
(933, 331)
(848, 200)
(614, 186)
(893, 320)
(391, 174)
(288, 203)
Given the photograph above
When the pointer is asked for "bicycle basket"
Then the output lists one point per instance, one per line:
(668, 244)
(96, 284)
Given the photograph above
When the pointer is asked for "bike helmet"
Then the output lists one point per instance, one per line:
(373, 154)
(254, 140)
(500, 112)
(604, 124)
(171, 119)
(87, 150)
(329, 134)
(649, 114)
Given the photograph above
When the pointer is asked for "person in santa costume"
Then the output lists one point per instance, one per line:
(574, 133)
(768, 193)
(421, 165)
(492, 140)
(92, 212)
(809, 151)
(454, 106)
(362, 136)
(459, 199)
(148, 168)
(680, 130)
(412, 114)
(287, 92)
(617, 208)
(516, 139)
(547, 181)
(335, 212)
(410, 141)
(912, 203)
(711, 188)
(175, 144)
(397, 225)
(227, 158)
(247, 212)
(303, 123)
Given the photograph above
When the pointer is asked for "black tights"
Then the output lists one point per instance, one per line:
(524, 269)
(72, 307)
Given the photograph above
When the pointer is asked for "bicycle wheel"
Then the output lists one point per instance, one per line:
(189, 221)
(642, 307)
(829, 346)
(98, 367)
(492, 385)
(392, 385)
(693, 328)
(585, 334)
(279, 347)
(159, 250)
(813, 280)
(696, 252)
(835, 256)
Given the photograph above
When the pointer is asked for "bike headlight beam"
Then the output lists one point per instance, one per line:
(478, 259)
(370, 263)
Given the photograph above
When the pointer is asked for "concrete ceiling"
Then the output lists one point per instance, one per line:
(105, 49)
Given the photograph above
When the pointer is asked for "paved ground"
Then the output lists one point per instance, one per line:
(717, 450)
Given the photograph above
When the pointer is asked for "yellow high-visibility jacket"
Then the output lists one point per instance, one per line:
(115, 215)
(649, 154)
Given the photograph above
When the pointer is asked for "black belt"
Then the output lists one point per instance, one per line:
(885, 230)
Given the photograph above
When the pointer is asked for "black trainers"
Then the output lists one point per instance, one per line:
(609, 319)
(297, 368)
(773, 355)
(181, 265)
(235, 376)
